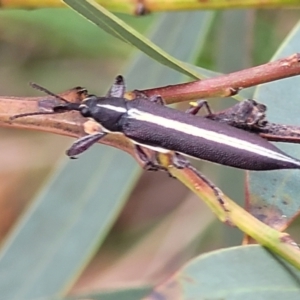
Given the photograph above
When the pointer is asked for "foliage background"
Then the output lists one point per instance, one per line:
(162, 225)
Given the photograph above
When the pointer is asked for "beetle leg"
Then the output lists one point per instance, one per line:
(117, 90)
(181, 162)
(150, 162)
(84, 143)
(247, 114)
(154, 98)
(196, 106)
(157, 99)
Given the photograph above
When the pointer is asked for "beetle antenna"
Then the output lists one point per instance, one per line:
(56, 110)
(40, 88)
(34, 114)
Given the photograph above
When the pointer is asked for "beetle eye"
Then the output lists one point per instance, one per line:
(85, 111)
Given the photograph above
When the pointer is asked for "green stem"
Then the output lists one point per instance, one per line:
(144, 6)
(278, 242)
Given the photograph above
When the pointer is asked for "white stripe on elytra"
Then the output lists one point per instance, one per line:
(207, 134)
(121, 109)
(158, 149)
(112, 107)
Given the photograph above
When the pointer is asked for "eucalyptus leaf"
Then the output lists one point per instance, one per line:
(115, 26)
(245, 272)
(64, 226)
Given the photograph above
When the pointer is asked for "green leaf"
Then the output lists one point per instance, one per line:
(113, 25)
(64, 226)
(247, 272)
(274, 196)
(118, 294)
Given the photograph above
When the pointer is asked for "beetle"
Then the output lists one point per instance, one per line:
(147, 122)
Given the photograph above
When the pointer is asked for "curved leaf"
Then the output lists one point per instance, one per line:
(113, 25)
(65, 224)
(248, 272)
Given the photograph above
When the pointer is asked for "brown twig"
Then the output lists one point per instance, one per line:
(226, 85)
(70, 123)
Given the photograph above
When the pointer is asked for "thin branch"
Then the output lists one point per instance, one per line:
(226, 85)
(68, 124)
(279, 242)
(223, 85)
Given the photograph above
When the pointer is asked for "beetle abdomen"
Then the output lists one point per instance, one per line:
(168, 129)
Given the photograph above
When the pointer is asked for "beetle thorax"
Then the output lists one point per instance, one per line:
(106, 111)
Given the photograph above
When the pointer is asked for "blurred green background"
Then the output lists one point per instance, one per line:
(162, 225)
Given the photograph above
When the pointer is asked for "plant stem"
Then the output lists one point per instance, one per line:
(279, 242)
(225, 85)
(140, 7)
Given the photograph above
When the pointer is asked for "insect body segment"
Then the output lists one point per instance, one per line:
(164, 128)
(159, 128)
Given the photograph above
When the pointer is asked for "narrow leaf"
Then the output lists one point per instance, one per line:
(237, 273)
(113, 25)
